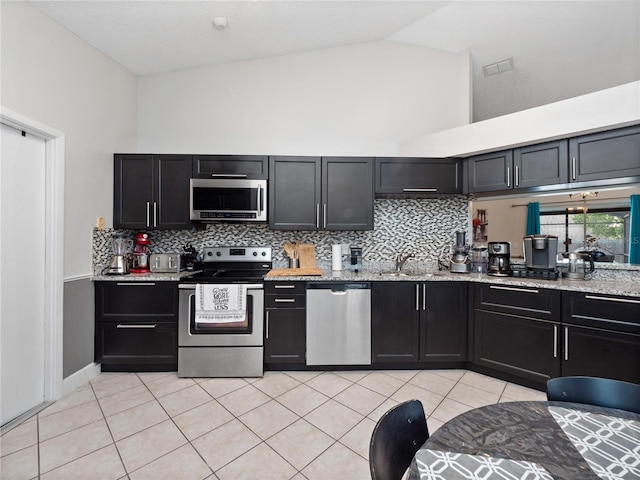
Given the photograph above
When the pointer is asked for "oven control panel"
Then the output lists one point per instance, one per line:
(237, 254)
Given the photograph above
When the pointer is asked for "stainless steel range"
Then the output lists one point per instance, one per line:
(221, 314)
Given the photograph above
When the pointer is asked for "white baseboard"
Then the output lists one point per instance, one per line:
(79, 378)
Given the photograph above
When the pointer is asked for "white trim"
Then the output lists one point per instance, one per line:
(80, 377)
(75, 278)
(54, 245)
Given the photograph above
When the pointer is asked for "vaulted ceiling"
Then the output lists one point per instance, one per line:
(560, 49)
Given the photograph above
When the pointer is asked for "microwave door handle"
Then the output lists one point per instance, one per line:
(260, 208)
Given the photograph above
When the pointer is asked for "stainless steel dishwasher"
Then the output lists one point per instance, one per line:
(339, 323)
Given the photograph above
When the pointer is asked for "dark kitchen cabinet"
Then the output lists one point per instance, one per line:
(321, 193)
(517, 331)
(151, 191)
(285, 323)
(417, 176)
(526, 167)
(136, 326)
(601, 336)
(605, 155)
(231, 166)
(419, 322)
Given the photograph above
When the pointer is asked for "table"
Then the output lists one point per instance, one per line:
(533, 440)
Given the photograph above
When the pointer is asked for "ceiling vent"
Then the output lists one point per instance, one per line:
(498, 67)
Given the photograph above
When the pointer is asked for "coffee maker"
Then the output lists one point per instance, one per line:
(120, 261)
(540, 252)
(141, 253)
(499, 259)
(460, 262)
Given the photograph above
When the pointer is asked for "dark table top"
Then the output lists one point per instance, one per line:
(569, 441)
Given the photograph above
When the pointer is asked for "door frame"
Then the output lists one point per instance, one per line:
(54, 245)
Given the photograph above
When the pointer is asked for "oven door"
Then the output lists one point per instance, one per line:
(228, 199)
(247, 333)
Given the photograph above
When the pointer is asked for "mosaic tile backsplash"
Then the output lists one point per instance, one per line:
(424, 227)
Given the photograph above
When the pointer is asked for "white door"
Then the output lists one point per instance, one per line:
(22, 272)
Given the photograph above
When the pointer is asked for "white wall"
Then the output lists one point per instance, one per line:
(613, 107)
(51, 76)
(355, 100)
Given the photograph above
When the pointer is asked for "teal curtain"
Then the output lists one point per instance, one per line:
(634, 233)
(533, 218)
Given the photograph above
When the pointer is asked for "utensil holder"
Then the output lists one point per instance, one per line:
(293, 263)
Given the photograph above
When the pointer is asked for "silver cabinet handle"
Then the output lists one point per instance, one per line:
(409, 190)
(132, 325)
(566, 343)
(573, 168)
(135, 284)
(508, 176)
(284, 286)
(324, 215)
(155, 214)
(424, 296)
(267, 326)
(612, 299)
(148, 210)
(417, 297)
(228, 175)
(514, 289)
(285, 300)
(317, 215)
(517, 180)
(555, 341)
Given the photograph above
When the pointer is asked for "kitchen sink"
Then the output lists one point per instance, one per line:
(409, 274)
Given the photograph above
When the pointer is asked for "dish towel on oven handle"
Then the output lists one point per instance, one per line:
(217, 303)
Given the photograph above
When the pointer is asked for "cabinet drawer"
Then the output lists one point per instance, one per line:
(524, 301)
(285, 288)
(285, 301)
(137, 301)
(602, 311)
(137, 343)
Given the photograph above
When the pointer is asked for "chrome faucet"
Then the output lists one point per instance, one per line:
(401, 260)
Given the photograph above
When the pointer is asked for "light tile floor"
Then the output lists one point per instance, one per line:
(287, 425)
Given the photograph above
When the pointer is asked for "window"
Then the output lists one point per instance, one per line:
(607, 231)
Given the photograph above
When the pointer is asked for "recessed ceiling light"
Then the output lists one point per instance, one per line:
(498, 67)
(220, 23)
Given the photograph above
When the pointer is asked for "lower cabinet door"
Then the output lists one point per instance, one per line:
(601, 353)
(285, 340)
(137, 346)
(520, 346)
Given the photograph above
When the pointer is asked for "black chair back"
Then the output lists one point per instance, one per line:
(396, 438)
(602, 392)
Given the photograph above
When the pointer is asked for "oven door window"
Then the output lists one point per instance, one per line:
(244, 327)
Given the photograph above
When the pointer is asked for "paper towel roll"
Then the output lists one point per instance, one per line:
(336, 259)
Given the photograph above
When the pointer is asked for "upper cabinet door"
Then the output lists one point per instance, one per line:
(231, 166)
(605, 155)
(133, 191)
(543, 164)
(171, 182)
(347, 193)
(294, 193)
(418, 176)
(491, 172)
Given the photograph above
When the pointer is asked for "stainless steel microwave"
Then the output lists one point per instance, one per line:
(226, 199)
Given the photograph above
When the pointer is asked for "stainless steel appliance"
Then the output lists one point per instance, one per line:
(499, 259)
(339, 323)
(165, 262)
(233, 349)
(141, 253)
(540, 252)
(119, 264)
(228, 199)
(577, 266)
(460, 261)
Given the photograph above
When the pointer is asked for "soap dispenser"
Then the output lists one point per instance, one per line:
(356, 259)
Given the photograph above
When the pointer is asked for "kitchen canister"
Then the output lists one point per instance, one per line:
(336, 257)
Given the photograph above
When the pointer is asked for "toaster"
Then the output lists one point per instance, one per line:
(165, 262)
